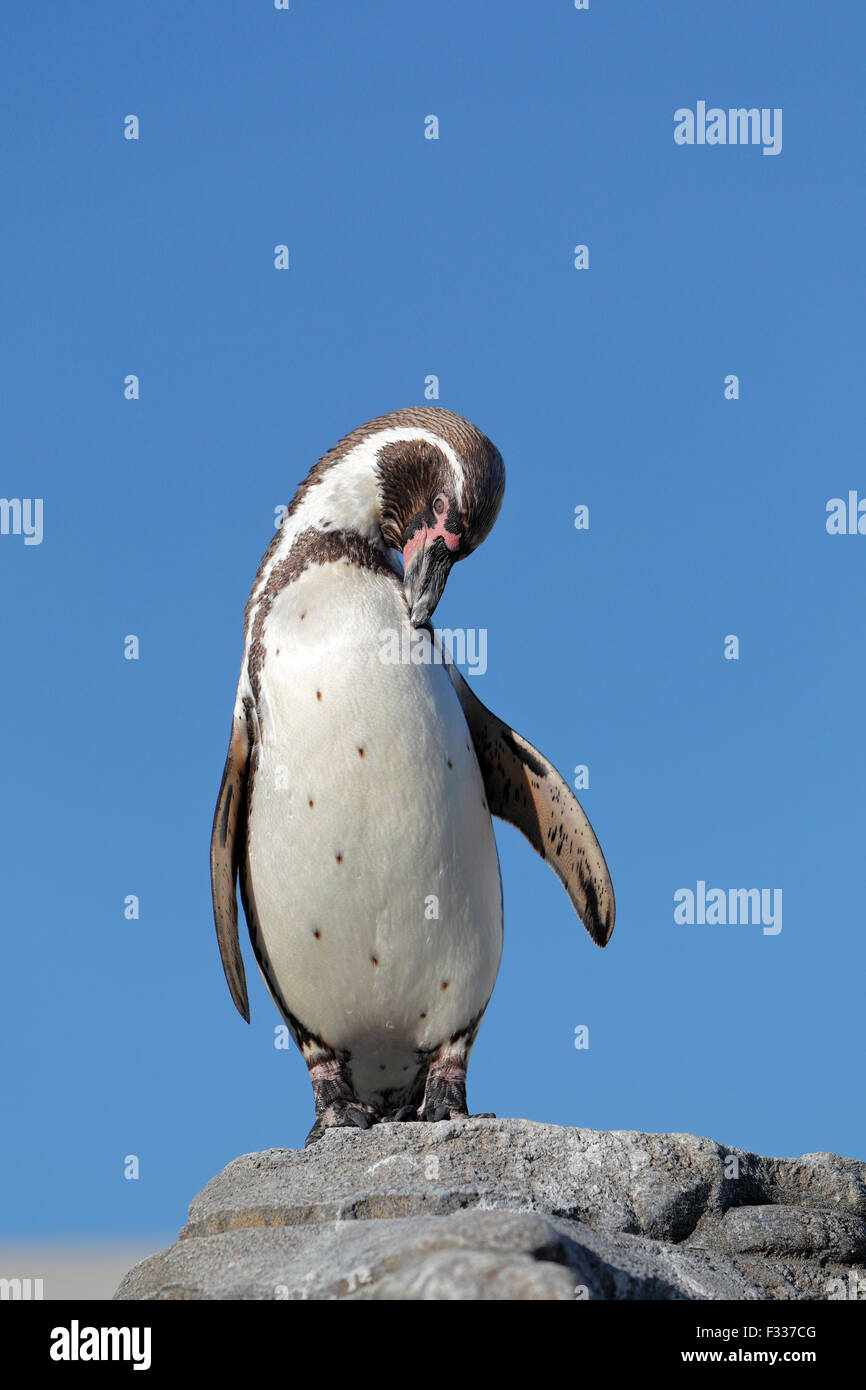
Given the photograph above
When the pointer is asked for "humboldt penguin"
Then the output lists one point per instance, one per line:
(362, 775)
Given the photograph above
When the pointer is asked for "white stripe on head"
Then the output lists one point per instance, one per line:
(346, 498)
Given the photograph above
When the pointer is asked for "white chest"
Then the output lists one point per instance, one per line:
(370, 845)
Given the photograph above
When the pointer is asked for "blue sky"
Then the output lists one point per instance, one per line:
(602, 387)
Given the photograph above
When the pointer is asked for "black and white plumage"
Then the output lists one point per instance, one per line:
(358, 791)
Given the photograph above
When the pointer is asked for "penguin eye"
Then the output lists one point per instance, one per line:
(439, 504)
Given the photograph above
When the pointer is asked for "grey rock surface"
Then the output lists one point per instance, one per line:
(511, 1209)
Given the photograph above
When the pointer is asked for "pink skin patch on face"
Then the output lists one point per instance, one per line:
(428, 534)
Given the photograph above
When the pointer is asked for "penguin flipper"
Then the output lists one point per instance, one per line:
(526, 790)
(227, 847)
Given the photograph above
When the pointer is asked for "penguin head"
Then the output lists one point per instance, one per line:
(422, 481)
(440, 493)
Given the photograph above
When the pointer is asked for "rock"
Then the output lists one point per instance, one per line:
(510, 1209)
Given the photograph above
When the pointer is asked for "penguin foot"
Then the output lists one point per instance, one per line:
(336, 1104)
(341, 1115)
(445, 1091)
(445, 1082)
(445, 1112)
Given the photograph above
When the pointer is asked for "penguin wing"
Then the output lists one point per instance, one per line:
(227, 847)
(526, 790)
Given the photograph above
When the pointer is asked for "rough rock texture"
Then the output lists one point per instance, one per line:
(509, 1209)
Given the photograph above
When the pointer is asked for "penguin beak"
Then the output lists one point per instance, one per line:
(426, 568)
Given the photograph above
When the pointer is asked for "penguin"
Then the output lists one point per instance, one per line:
(360, 782)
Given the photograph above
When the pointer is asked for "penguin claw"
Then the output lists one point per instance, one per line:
(340, 1116)
(401, 1116)
(440, 1113)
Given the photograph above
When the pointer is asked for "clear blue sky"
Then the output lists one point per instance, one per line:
(605, 387)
